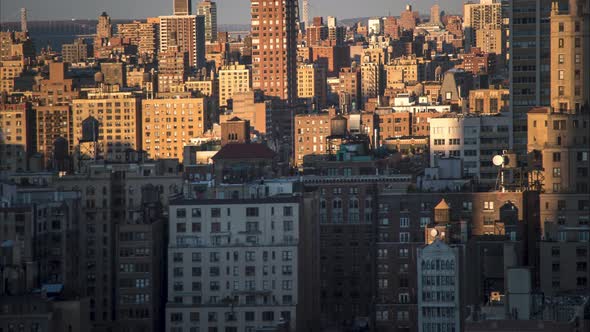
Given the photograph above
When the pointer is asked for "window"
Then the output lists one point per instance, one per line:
(382, 315)
(404, 222)
(561, 43)
(268, 315)
(556, 172)
(176, 316)
(196, 256)
(249, 316)
(177, 257)
(488, 205)
(561, 58)
(181, 227)
(404, 237)
(252, 212)
(181, 213)
(287, 255)
(288, 211)
(288, 225)
(424, 221)
(403, 252)
(555, 251)
(196, 213)
(403, 315)
(215, 213)
(556, 156)
(287, 284)
(561, 75)
(196, 227)
(404, 298)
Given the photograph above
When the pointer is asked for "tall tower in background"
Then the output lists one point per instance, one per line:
(529, 61)
(305, 18)
(570, 56)
(274, 55)
(23, 20)
(435, 14)
(104, 29)
(182, 7)
(208, 9)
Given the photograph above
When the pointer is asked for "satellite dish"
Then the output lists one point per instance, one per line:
(498, 160)
(433, 233)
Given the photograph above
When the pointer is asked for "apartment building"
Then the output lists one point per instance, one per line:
(234, 265)
(311, 84)
(473, 139)
(439, 298)
(17, 127)
(274, 58)
(489, 101)
(119, 120)
(169, 124)
(233, 79)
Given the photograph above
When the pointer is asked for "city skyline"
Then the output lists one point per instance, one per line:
(230, 12)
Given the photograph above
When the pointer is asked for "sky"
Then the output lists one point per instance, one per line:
(229, 11)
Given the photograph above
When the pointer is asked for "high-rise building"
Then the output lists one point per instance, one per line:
(370, 80)
(311, 83)
(235, 275)
(274, 58)
(23, 20)
(435, 14)
(476, 139)
(78, 51)
(119, 118)
(530, 49)
(104, 29)
(208, 9)
(486, 15)
(558, 135)
(349, 90)
(232, 79)
(570, 57)
(53, 123)
(16, 136)
(121, 269)
(186, 32)
(439, 306)
(173, 69)
(144, 35)
(169, 124)
(409, 19)
(182, 7)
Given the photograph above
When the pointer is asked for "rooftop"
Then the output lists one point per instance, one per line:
(245, 151)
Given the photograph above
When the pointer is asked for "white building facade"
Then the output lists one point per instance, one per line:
(232, 264)
(439, 308)
(475, 139)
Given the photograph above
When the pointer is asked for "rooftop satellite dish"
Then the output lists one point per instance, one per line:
(433, 233)
(498, 160)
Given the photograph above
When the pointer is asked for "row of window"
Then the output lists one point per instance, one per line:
(248, 316)
(216, 212)
(249, 256)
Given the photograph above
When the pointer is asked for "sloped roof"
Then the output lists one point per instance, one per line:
(244, 151)
(442, 205)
